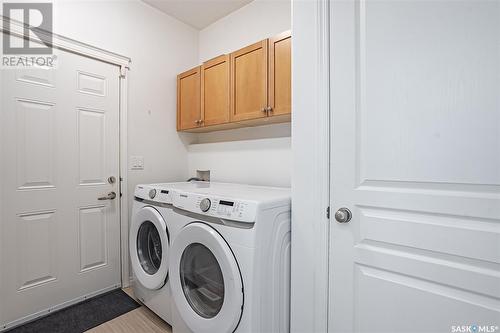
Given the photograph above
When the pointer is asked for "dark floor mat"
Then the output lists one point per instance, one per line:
(82, 316)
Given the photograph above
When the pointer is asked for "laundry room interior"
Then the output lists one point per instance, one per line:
(249, 166)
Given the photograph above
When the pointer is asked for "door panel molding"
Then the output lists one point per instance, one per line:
(442, 132)
(36, 142)
(36, 267)
(92, 238)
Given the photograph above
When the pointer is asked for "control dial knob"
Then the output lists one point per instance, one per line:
(205, 204)
(152, 193)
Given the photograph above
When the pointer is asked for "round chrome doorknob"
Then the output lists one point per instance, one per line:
(205, 204)
(343, 215)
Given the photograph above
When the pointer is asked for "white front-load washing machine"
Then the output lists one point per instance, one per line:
(149, 243)
(230, 260)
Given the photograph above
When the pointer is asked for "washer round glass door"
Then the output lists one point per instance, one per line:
(206, 280)
(149, 248)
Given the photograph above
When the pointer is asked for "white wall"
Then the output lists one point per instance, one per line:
(258, 161)
(255, 155)
(160, 47)
(258, 20)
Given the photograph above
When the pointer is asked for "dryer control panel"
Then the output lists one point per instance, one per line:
(224, 208)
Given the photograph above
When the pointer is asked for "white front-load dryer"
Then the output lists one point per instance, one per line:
(230, 260)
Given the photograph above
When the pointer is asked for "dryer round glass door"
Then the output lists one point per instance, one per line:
(202, 280)
(149, 246)
(206, 280)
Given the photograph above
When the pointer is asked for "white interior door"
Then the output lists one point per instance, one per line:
(415, 99)
(60, 144)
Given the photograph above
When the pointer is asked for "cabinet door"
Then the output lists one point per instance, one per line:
(280, 78)
(215, 91)
(249, 82)
(188, 99)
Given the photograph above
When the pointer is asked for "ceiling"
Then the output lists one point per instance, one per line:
(197, 13)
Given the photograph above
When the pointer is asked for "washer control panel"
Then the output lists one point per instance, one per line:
(225, 208)
(154, 194)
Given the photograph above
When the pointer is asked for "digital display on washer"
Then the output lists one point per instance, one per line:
(226, 203)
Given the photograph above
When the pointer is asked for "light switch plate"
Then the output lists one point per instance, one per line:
(137, 162)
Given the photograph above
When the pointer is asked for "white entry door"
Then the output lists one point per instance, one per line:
(415, 100)
(60, 144)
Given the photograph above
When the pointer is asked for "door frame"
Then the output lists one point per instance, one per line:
(311, 165)
(16, 28)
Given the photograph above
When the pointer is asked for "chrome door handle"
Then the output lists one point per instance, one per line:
(110, 196)
(343, 215)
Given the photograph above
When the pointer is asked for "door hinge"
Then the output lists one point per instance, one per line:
(123, 72)
(328, 212)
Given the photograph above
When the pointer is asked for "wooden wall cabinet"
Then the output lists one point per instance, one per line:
(249, 82)
(215, 91)
(188, 99)
(280, 74)
(249, 87)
